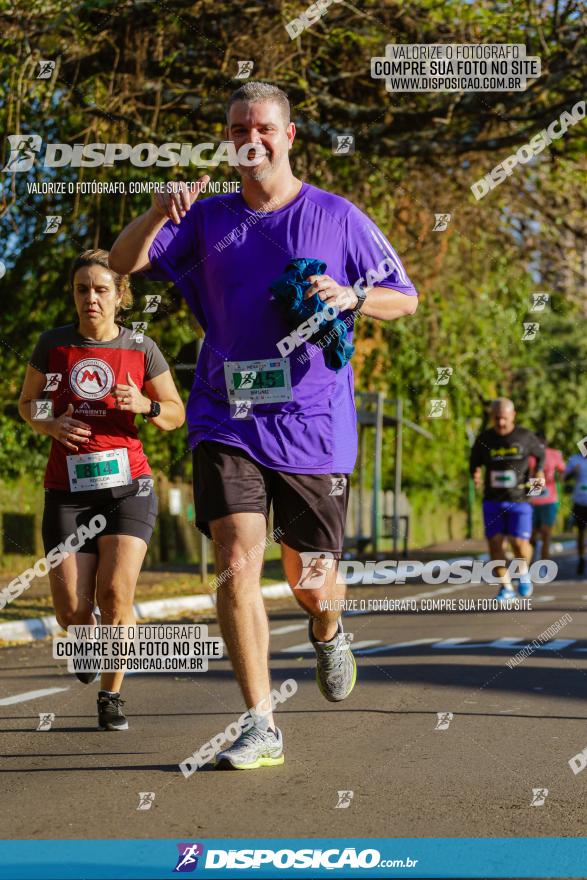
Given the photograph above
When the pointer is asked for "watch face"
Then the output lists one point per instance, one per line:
(155, 409)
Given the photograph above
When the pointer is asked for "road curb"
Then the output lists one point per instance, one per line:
(41, 627)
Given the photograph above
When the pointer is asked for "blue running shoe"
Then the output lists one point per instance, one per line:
(525, 588)
(505, 595)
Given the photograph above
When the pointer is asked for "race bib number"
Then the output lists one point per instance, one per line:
(267, 381)
(98, 470)
(503, 479)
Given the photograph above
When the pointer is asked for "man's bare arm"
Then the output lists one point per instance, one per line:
(130, 251)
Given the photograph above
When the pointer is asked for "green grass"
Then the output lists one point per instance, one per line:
(151, 586)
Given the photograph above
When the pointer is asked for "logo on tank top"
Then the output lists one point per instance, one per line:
(91, 379)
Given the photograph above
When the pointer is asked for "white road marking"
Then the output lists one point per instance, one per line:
(30, 695)
(451, 643)
(302, 648)
(556, 645)
(543, 598)
(282, 630)
(308, 648)
(398, 645)
(506, 643)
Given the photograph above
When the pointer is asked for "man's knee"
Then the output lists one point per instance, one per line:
(74, 616)
(115, 601)
(315, 601)
(237, 566)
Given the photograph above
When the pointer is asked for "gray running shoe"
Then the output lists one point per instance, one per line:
(336, 669)
(110, 714)
(254, 748)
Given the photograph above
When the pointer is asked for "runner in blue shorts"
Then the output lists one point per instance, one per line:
(576, 472)
(504, 451)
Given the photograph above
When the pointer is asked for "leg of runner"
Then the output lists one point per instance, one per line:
(536, 536)
(496, 551)
(336, 669)
(523, 551)
(239, 602)
(330, 595)
(73, 587)
(120, 558)
(581, 547)
(245, 629)
(545, 534)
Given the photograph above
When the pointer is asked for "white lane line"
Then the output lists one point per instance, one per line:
(543, 598)
(397, 645)
(30, 695)
(282, 630)
(302, 648)
(308, 648)
(451, 643)
(505, 643)
(556, 645)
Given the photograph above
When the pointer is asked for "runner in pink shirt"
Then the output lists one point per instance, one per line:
(545, 506)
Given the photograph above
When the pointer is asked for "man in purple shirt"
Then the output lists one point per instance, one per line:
(269, 422)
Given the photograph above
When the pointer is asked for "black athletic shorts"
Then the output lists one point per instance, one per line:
(308, 509)
(580, 515)
(125, 512)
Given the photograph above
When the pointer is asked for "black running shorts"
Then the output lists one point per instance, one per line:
(127, 514)
(309, 509)
(580, 515)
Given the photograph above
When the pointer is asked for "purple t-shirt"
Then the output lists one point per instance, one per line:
(222, 257)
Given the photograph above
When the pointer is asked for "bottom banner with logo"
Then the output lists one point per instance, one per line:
(304, 858)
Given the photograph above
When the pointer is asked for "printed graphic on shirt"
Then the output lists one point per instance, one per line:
(91, 378)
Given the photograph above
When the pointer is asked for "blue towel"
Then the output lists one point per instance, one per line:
(289, 290)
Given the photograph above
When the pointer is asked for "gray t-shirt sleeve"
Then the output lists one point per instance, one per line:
(40, 356)
(155, 363)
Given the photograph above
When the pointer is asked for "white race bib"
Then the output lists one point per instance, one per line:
(265, 381)
(98, 470)
(503, 479)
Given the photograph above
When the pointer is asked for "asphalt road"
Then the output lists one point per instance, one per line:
(513, 730)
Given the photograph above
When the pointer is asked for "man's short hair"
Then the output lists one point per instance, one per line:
(502, 403)
(254, 92)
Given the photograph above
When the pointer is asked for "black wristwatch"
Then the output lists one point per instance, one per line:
(154, 411)
(361, 297)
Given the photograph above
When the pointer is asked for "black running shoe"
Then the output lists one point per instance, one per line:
(86, 677)
(110, 715)
(581, 566)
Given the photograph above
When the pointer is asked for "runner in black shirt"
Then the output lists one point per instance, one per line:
(503, 451)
